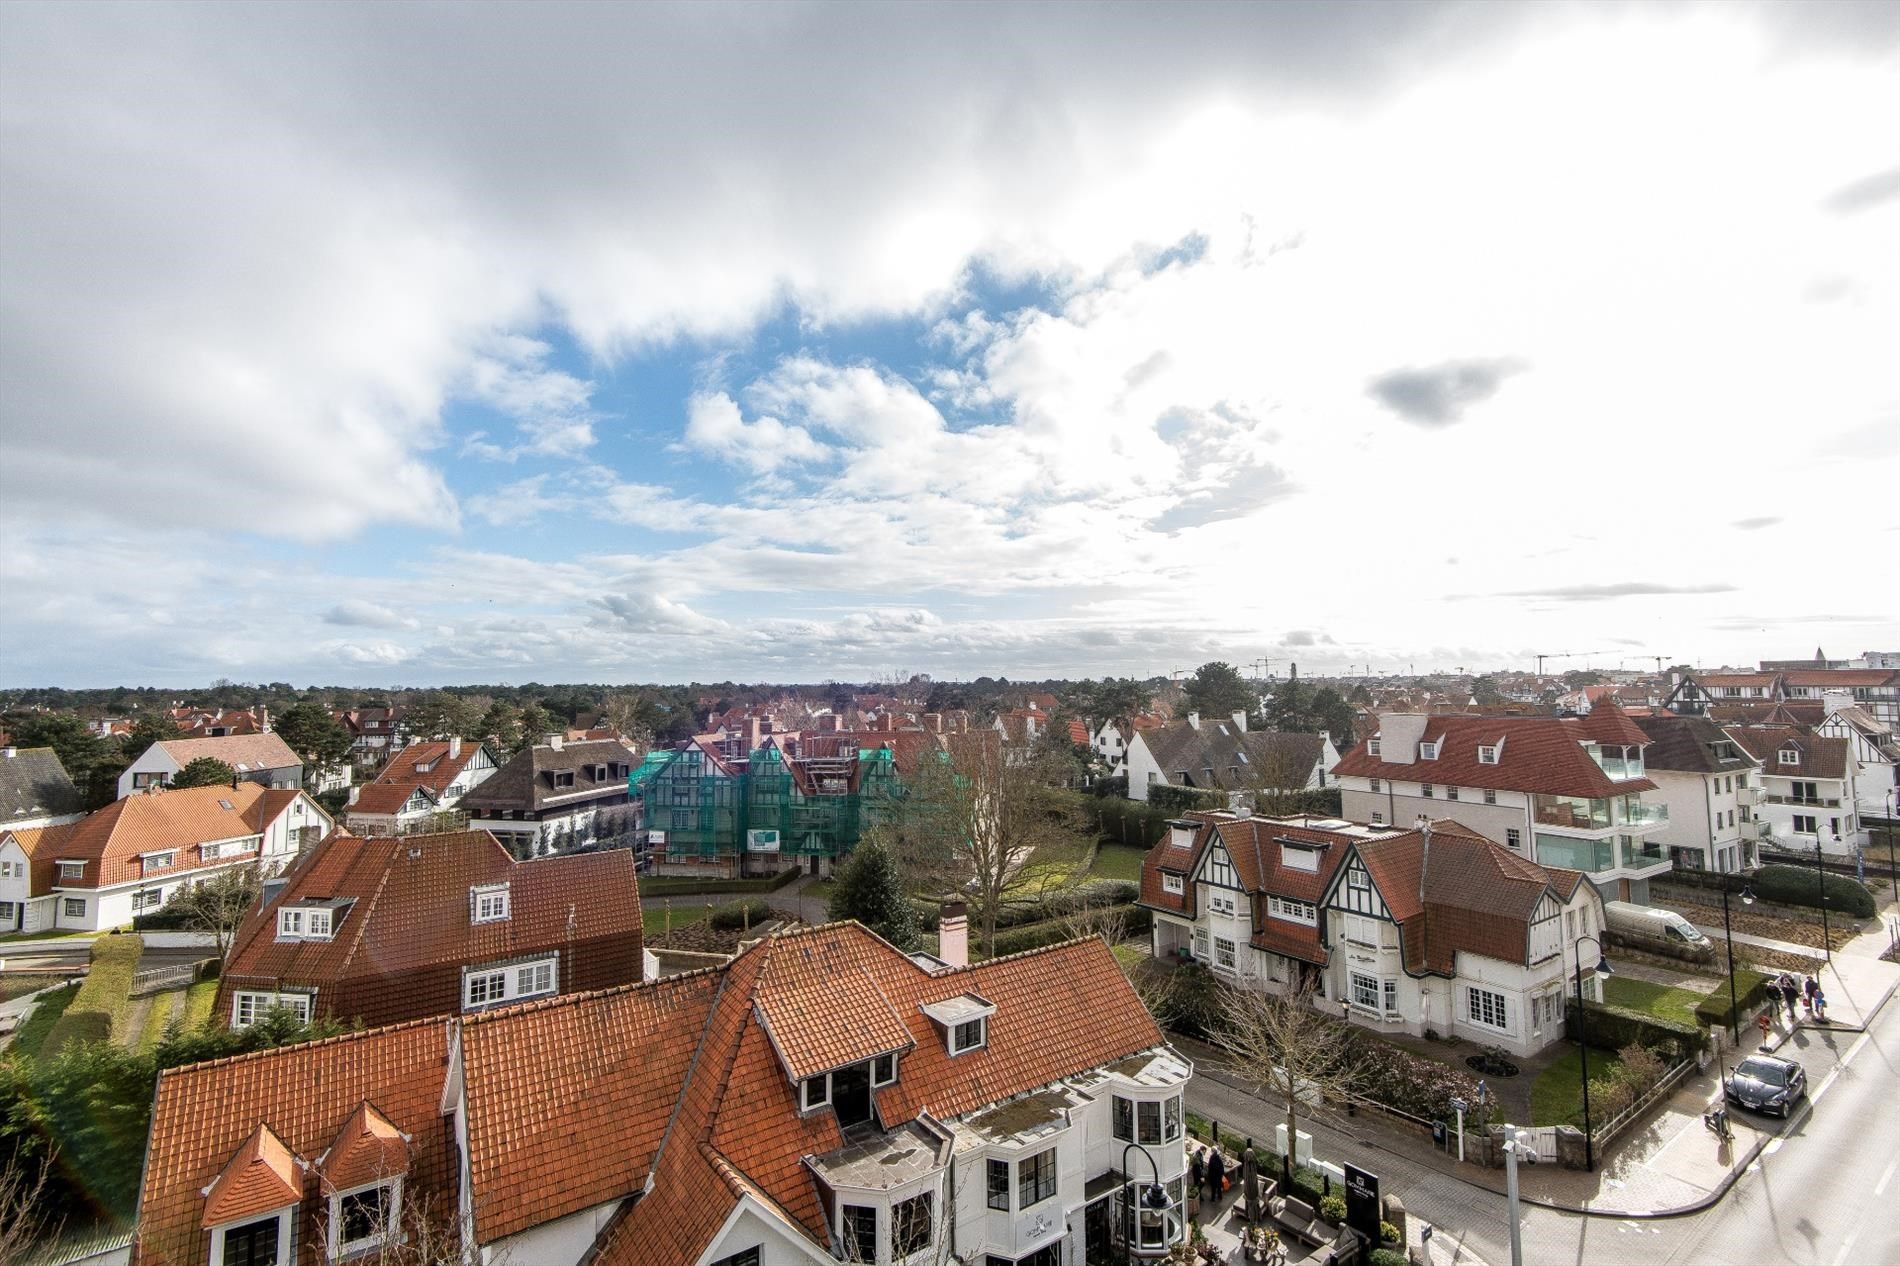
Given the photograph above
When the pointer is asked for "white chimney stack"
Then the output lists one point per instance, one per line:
(1194, 720)
(455, 746)
(1240, 722)
(953, 933)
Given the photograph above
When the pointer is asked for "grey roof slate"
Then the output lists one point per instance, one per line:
(33, 784)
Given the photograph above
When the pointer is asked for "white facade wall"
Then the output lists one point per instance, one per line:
(1800, 826)
(557, 1243)
(1706, 817)
(1143, 769)
(156, 765)
(16, 886)
(748, 1228)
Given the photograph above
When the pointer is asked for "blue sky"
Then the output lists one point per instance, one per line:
(804, 341)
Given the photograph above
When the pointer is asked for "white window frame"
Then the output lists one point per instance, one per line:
(305, 923)
(6, 869)
(1428, 750)
(1487, 754)
(489, 903)
(72, 870)
(147, 899)
(1372, 747)
(340, 1248)
(163, 859)
(814, 1092)
(66, 910)
(1374, 788)
(1226, 954)
(286, 1251)
(1490, 795)
(1361, 986)
(1201, 945)
(876, 1079)
(1378, 818)
(1788, 756)
(1293, 910)
(256, 1002)
(1173, 884)
(532, 978)
(960, 1047)
(1479, 1003)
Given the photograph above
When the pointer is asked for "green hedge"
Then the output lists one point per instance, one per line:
(104, 997)
(1751, 988)
(1613, 1028)
(690, 885)
(1172, 800)
(1050, 931)
(1387, 1257)
(1797, 886)
(1126, 821)
(740, 914)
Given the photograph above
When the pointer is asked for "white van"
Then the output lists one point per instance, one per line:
(1655, 924)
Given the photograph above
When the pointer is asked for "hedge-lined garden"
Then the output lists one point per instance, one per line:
(693, 886)
(98, 1013)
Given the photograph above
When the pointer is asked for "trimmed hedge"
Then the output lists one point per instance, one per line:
(1751, 989)
(1051, 931)
(692, 886)
(1387, 1257)
(1613, 1028)
(740, 914)
(1797, 886)
(1173, 800)
(1127, 821)
(104, 997)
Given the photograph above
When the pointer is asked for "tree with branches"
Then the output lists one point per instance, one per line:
(204, 771)
(1286, 1046)
(218, 904)
(310, 731)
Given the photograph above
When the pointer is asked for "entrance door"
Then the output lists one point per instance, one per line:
(1098, 1246)
(851, 1095)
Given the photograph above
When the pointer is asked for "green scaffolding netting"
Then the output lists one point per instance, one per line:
(708, 812)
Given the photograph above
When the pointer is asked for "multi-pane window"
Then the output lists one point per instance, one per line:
(161, 861)
(1220, 870)
(488, 986)
(1490, 795)
(966, 1036)
(1122, 1115)
(73, 908)
(300, 922)
(1451, 793)
(148, 899)
(1514, 838)
(884, 1070)
(72, 870)
(1171, 1119)
(1148, 1118)
(910, 1225)
(1391, 992)
(1200, 944)
(1425, 789)
(1293, 909)
(1223, 952)
(363, 1218)
(252, 1244)
(1036, 1178)
(1375, 785)
(1358, 878)
(1362, 930)
(1804, 823)
(1488, 754)
(998, 1177)
(815, 1092)
(247, 1007)
(858, 1229)
(1365, 992)
(488, 905)
(1487, 1008)
(534, 978)
(505, 984)
(1171, 883)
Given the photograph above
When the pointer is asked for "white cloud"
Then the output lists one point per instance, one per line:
(370, 615)
(714, 425)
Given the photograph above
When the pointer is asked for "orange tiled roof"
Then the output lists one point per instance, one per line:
(111, 840)
(261, 1176)
(245, 753)
(204, 1113)
(367, 1148)
(1542, 755)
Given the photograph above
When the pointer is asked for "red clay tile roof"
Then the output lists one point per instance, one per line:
(1718, 680)
(388, 798)
(402, 769)
(245, 753)
(410, 911)
(1608, 723)
(261, 1176)
(111, 840)
(204, 1113)
(1845, 678)
(1540, 755)
(1819, 757)
(368, 1147)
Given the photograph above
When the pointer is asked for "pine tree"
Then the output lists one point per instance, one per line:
(870, 890)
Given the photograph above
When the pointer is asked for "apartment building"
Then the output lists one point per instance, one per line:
(1563, 792)
(1808, 785)
(556, 796)
(264, 759)
(1223, 755)
(383, 930)
(821, 1096)
(1433, 928)
(1711, 788)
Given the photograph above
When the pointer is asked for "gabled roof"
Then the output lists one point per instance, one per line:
(408, 907)
(367, 1149)
(1538, 754)
(205, 1113)
(1715, 681)
(1688, 744)
(262, 1176)
(245, 753)
(1841, 678)
(405, 768)
(519, 784)
(1607, 723)
(1223, 747)
(1819, 757)
(111, 840)
(388, 798)
(33, 784)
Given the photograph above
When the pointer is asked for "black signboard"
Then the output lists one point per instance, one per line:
(1362, 1203)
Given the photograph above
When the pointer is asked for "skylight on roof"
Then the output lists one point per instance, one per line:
(225, 804)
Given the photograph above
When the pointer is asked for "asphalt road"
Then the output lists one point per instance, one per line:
(1825, 1194)
(29, 955)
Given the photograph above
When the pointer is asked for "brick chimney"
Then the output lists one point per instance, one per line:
(953, 933)
(753, 734)
(933, 721)
(828, 723)
(887, 723)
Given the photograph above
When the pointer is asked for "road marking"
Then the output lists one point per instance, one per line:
(1772, 1148)
(1886, 1175)
(1846, 1248)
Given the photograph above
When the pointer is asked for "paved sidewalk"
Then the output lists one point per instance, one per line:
(1762, 942)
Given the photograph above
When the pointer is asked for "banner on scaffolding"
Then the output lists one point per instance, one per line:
(761, 841)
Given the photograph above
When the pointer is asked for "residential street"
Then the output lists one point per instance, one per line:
(1818, 1196)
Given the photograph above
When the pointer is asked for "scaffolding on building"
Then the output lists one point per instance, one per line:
(764, 806)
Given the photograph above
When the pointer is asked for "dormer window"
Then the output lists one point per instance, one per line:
(303, 923)
(1790, 756)
(969, 1036)
(562, 777)
(600, 773)
(72, 870)
(964, 1020)
(488, 903)
(814, 1092)
(1372, 747)
(161, 861)
(884, 1070)
(1172, 883)
(1428, 751)
(1488, 754)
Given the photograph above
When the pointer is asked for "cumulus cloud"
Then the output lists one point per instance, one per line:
(1755, 523)
(714, 425)
(1865, 193)
(355, 612)
(1438, 395)
(1623, 589)
(652, 614)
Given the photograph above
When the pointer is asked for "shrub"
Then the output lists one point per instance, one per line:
(1409, 1083)
(1387, 1257)
(1030, 936)
(1797, 886)
(740, 914)
(1388, 1234)
(1751, 987)
(1309, 1185)
(1173, 800)
(1333, 1208)
(1194, 1005)
(104, 997)
(1615, 1027)
(691, 885)
(1638, 1072)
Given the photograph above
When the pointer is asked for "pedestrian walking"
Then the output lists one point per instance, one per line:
(1820, 1005)
(1197, 1173)
(1774, 996)
(1789, 993)
(1216, 1175)
(1809, 988)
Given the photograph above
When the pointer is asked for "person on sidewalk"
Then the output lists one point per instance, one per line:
(1216, 1175)
(1820, 1005)
(1775, 996)
(1197, 1174)
(1790, 992)
(1810, 987)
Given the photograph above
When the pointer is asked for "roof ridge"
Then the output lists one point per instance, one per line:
(369, 910)
(351, 1035)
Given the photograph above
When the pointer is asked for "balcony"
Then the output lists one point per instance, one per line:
(1643, 813)
(1589, 856)
(1750, 795)
(1618, 769)
(1811, 802)
(1571, 813)
(1641, 853)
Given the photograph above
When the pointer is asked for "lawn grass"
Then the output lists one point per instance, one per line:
(1557, 1095)
(1129, 956)
(158, 1016)
(12, 987)
(30, 1037)
(1118, 862)
(199, 999)
(1665, 1002)
(653, 922)
(105, 998)
(819, 890)
(50, 934)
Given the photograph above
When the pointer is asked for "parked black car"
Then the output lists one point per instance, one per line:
(1764, 1083)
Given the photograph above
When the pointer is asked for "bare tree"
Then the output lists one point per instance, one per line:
(1279, 770)
(983, 822)
(218, 905)
(1283, 1044)
(21, 1220)
(625, 715)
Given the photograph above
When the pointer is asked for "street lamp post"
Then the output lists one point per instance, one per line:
(1583, 1040)
(1820, 888)
(1893, 872)
(1136, 1199)
(1748, 899)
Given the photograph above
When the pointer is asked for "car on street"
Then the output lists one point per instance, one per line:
(1766, 1083)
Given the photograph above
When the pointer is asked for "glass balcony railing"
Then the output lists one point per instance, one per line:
(1571, 813)
(1643, 853)
(1749, 795)
(1618, 768)
(1642, 813)
(1589, 856)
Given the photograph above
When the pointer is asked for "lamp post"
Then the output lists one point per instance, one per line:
(1583, 1040)
(1153, 1198)
(1820, 889)
(1893, 872)
(1748, 899)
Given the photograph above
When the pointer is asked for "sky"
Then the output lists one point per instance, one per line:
(435, 344)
